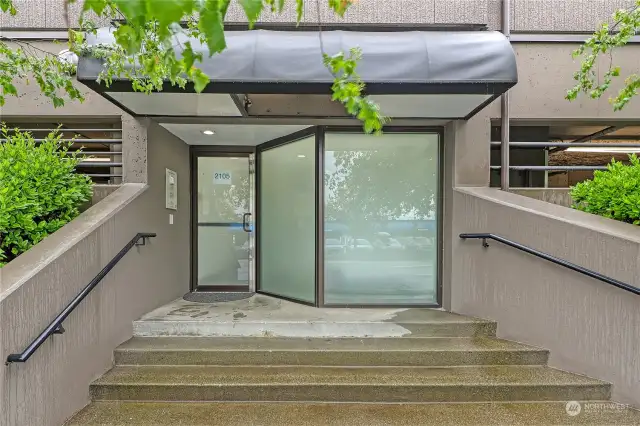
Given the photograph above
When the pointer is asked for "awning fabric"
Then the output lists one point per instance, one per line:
(405, 62)
(411, 74)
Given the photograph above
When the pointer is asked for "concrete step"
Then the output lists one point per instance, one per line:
(262, 316)
(345, 384)
(335, 414)
(403, 351)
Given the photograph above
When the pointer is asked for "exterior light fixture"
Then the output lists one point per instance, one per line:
(301, 156)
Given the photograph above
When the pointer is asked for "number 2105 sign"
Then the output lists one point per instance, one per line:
(222, 178)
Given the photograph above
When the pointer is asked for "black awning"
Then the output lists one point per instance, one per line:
(260, 62)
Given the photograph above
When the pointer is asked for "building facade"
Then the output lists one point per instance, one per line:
(282, 194)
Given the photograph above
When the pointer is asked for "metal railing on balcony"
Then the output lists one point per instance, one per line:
(100, 143)
(614, 148)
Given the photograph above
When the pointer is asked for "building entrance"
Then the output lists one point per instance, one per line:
(324, 216)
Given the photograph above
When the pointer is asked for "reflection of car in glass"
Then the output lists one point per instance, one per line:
(333, 247)
(423, 243)
(361, 245)
(388, 244)
(416, 243)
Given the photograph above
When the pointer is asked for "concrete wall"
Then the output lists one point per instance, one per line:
(34, 288)
(561, 197)
(590, 327)
(545, 73)
(31, 102)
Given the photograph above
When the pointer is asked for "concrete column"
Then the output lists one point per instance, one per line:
(466, 163)
(134, 149)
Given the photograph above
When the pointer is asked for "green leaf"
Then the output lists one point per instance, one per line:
(10, 89)
(212, 26)
(224, 6)
(7, 6)
(200, 80)
(167, 13)
(127, 37)
(97, 6)
(253, 9)
(299, 10)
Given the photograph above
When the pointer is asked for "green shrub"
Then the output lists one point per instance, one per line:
(39, 191)
(614, 193)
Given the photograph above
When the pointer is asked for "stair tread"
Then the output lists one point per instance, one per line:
(313, 375)
(320, 344)
(337, 414)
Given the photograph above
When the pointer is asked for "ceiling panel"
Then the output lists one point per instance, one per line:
(178, 104)
(230, 134)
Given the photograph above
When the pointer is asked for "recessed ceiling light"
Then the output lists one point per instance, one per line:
(208, 132)
(301, 156)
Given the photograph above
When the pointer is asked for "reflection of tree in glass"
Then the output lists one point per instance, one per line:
(381, 185)
(229, 202)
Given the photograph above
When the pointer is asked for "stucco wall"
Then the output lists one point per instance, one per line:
(34, 288)
(590, 327)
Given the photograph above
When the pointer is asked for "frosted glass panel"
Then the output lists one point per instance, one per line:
(287, 220)
(381, 218)
(223, 199)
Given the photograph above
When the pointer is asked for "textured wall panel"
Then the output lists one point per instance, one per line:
(461, 11)
(31, 14)
(55, 17)
(590, 327)
(564, 15)
(365, 11)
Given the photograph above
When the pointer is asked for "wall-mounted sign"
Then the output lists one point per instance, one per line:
(222, 178)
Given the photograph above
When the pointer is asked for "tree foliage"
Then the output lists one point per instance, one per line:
(39, 191)
(614, 193)
(601, 45)
(145, 53)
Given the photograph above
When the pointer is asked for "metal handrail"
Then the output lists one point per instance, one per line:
(553, 259)
(56, 325)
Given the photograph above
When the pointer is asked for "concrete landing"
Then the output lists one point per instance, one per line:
(264, 316)
(345, 414)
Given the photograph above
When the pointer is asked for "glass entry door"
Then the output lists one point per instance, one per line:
(225, 231)
(287, 222)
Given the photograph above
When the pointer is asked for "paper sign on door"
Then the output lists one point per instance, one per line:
(222, 178)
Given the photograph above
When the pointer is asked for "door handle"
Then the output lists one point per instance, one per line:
(245, 223)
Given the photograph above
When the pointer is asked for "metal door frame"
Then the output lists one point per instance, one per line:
(199, 151)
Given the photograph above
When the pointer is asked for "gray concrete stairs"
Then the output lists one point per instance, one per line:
(460, 375)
